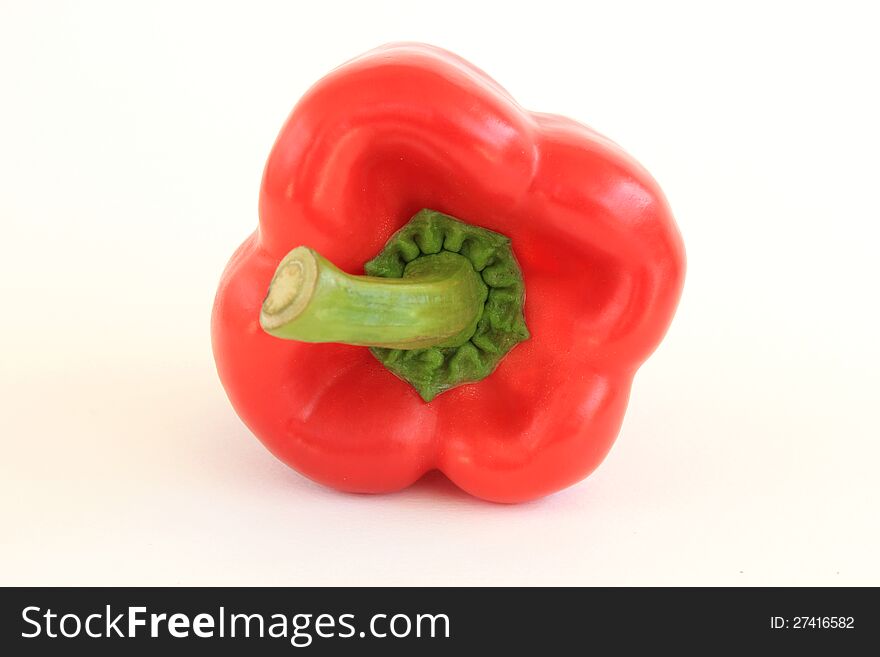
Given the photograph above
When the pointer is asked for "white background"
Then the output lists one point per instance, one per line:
(132, 140)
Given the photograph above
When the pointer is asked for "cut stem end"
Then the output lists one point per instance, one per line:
(291, 289)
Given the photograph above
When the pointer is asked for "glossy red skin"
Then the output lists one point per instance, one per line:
(407, 127)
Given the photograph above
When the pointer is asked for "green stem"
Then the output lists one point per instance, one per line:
(437, 303)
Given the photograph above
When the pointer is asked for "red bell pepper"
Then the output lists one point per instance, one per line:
(454, 380)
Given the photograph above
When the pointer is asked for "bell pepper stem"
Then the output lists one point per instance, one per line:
(437, 303)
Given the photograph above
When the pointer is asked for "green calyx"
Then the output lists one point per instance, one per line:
(499, 325)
